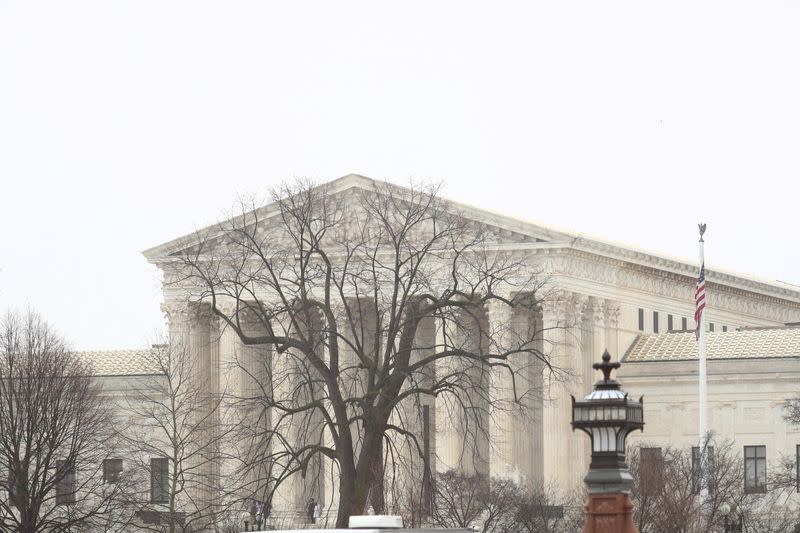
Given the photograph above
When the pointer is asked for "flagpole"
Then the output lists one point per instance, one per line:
(703, 379)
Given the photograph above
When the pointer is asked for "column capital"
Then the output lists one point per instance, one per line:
(175, 312)
(598, 311)
(564, 307)
(200, 311)
(611, 310)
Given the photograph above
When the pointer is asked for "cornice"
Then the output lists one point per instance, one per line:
(521, 236)
(587, 266)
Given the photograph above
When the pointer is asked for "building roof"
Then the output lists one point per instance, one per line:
(544, 235)
(743, 344)
(121, 362)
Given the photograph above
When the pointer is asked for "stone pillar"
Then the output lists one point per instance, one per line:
(517, 414)
(249, 369)
(308, 427)
(560, 457)
(203, 348)
(476, 450)
(504, 432)
(464, 442)
(418, 416)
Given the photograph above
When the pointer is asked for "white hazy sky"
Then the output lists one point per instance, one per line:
(126, 124)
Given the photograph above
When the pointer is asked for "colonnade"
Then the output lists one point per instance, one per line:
(511, 428)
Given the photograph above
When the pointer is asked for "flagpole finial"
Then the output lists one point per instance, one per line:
(702, 228)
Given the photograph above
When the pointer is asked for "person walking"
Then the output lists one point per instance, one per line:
(311, 510)
(317, 512)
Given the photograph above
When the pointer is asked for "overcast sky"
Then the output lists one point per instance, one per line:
(126, 124)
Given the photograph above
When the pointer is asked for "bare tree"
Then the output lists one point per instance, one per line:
(464, 501)
(460, 499)
(55, 432)
(344, 290)
(173, 433)
(547, 510)
(498, 505)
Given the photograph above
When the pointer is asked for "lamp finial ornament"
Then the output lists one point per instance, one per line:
(606, 366)
(702, 228)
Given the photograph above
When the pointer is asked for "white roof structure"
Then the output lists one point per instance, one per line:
(121, 362)
(743, 344)
(527, 233)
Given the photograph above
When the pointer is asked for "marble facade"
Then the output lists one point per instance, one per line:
(603, 296)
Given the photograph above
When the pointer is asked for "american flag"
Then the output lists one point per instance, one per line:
(699, 300)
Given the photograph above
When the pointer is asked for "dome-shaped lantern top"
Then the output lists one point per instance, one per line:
(607, 415)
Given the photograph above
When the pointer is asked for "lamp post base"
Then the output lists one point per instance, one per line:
(609, 513)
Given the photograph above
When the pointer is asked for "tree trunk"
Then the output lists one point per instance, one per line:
(377, 495)
(357, 480)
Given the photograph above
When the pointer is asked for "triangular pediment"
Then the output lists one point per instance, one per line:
(505, 232)
(499, 229)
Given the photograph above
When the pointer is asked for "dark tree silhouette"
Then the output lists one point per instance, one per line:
(55, 432)
(368, 303)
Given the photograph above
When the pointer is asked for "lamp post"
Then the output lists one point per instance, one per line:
(736, 525)
(608, 415)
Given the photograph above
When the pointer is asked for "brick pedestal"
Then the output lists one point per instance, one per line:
(609, 513)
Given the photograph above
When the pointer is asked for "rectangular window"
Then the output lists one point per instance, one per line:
(696, 469)
(641, 319)
(159, 480)
(655, 321)
(112, 468)
(683, 323)
(65, 483)
(724, 328)
(711, 326)
(651, 469)
(669, 322)
(13, 489)
(755, 469)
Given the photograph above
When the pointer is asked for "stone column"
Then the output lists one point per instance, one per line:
(248, 369)
(203, 348)
(560, 458)
(418, 416)
(517, 418)
(308, 427)
(464, 442)
(504, 432)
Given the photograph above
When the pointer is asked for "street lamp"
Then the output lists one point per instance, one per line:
(608, 416)
(731, 527)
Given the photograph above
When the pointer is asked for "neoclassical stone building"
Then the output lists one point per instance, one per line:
(608, 295)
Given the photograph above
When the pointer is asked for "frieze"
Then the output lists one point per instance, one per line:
(667, 284)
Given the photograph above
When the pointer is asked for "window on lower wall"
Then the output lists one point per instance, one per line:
(641, 319)
(651, 469)
(683, 323)
(13, 489)
(755, 469)
(112, 468)
(655, 321)
(65, 483)
(697, 466)
(159, 480)
(669, 322)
